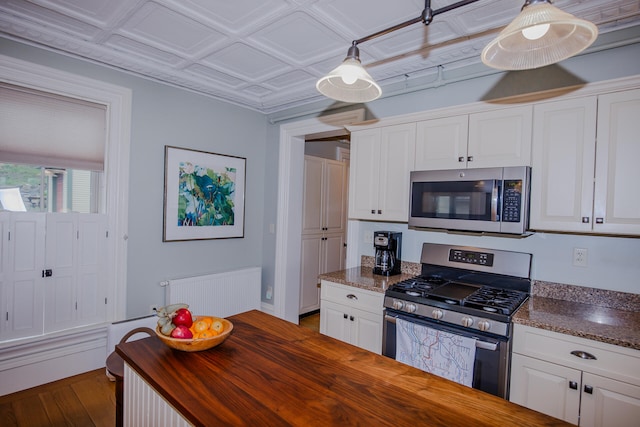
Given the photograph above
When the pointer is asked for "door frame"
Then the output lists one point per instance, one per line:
(286, 289)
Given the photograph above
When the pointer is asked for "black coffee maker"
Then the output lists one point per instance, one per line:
(387, 259)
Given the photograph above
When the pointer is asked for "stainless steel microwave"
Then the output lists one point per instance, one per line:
(490, 200)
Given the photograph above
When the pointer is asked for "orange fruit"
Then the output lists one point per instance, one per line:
(217, 326)
(207, 319)
(200, 325)
(209, 333)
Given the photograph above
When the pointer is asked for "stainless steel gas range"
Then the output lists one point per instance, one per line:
(464, 296)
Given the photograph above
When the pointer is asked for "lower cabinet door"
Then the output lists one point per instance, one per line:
(546, 387)
(366, 330)
(333, 322)
(608, 403)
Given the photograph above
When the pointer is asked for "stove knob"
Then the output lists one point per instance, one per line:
(398, 305)
(484, 325)
(410, 308)
(467, 321)
(437, 314)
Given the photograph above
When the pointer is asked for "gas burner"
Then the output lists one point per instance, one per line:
(493, 300)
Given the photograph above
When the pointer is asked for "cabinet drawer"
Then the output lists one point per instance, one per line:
(349, 296)
(610, 361)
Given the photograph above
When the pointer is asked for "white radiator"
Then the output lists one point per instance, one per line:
(221, 294)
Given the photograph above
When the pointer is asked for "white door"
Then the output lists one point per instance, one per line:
(546, 387)
(61, 260)
(442, 143)
(91, 274)
(334, 321)
(608, 403)
(366, 330)
(310, 256)
(23, 291)
(335, 196)
(616, 201)
(397, 151)
(563, 161)
(312, 217)
(364, 168)
(500, 138)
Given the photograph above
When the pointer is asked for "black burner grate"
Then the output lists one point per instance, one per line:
(504, 301)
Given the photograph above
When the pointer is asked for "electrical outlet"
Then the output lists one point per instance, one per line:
(368, 237)
(269, 292)
(580, 257)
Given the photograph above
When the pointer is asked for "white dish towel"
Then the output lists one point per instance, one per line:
(440, 353)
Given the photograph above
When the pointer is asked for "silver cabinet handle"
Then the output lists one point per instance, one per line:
(461, 159)
(583, 355)
(599, 220)
(585, 220)
(352, 296)
(470, 159)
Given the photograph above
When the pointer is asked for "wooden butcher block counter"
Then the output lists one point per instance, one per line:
(273, 373)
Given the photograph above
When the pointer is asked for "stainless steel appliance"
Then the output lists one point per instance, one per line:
(465, 291)
(388, 250)
(491, 200)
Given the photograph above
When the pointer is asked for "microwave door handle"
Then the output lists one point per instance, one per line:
(494, 200)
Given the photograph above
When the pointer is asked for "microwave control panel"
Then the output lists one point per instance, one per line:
(471, 257)
(512, 200)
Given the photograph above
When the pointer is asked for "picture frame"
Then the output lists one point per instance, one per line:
(203, 195)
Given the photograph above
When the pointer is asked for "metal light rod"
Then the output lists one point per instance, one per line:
(426, 17)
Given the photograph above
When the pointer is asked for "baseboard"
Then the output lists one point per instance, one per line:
(36, 362)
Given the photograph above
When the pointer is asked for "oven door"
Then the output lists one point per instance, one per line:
(491, 367)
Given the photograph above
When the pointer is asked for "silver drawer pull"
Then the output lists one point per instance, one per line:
(583, 355)
(352, 296)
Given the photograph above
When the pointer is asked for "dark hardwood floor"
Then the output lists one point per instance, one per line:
(83, 400)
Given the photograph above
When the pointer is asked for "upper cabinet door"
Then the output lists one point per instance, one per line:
(500, 138)
(312, 196)
(363, 174)
(442, 143)
(397, 150)
(334, 196)
(563, 156)
(616, 200)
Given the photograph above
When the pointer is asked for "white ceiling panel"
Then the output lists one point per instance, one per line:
(266, 55)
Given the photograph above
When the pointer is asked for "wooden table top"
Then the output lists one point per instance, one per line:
(272, 372)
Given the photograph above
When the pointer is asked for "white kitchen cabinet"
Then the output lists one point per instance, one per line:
(500, 138)
(616, 205)
(494, 138)
(381, 160)
(320, 254)
(576, 184)
(563, 161)
(547, 377)
(323, 226)
(352, 315)
(442, 143)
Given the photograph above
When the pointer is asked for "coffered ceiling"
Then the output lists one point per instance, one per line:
(266, 55)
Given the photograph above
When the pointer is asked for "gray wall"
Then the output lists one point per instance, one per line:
(163, 115)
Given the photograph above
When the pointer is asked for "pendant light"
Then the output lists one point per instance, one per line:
(349, 82)
(540, 35)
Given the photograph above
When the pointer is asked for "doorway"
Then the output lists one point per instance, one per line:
(288, 238)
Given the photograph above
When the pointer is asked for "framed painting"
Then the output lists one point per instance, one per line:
(203, 195)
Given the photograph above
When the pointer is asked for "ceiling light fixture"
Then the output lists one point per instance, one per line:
(540, 35)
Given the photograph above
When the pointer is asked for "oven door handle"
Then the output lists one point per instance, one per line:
(484, 345)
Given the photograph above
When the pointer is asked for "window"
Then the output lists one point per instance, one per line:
(28, 188)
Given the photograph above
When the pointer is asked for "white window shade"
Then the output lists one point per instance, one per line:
(45, 129)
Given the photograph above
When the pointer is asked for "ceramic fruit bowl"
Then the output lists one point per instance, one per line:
(198, 344)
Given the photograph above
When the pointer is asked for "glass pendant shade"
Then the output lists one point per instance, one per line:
(349, 82)
(540, 35)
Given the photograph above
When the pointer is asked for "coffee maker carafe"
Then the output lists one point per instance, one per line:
(387, 246)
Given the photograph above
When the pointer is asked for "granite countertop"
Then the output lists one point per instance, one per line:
(362, 277)
(596, 314)
(600, 315)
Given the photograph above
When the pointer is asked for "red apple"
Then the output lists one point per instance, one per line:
(183, 318)
(181, 332)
